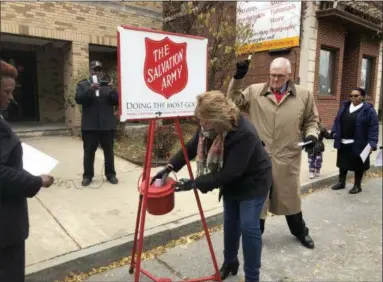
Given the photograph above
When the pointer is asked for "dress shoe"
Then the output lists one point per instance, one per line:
(307, 241)
(229, 268)
(338, 186)
(356, 189)
(112, 179)
(86, 181)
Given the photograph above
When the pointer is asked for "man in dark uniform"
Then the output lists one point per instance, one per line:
(98, 124)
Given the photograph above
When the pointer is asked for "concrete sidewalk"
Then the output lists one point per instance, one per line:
(346, 229)
(70, 222)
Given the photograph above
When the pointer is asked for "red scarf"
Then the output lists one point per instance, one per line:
(279, 95)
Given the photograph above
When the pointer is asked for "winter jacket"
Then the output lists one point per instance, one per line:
(323, 133)
(97, 112)
(367, 128)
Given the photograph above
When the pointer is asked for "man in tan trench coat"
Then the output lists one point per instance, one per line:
(283, 113)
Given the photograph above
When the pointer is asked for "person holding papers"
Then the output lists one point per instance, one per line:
(282, 112)
(16, 185)
(98, 98)
(229, 156)
(356, 131)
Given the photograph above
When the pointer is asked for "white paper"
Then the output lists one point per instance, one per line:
(366, 151)
(95, 80)
(304, 143)
(379, 158)
(37, 162)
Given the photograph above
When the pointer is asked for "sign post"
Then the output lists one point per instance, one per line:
(160, 75)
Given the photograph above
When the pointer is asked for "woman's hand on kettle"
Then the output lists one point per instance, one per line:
(162, 174)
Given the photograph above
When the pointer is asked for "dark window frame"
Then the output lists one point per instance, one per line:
(369, 82)
(331, 71)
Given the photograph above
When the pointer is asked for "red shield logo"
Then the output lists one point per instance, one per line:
(165, 68)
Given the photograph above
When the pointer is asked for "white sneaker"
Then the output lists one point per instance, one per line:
(317, 174)
(311, 175)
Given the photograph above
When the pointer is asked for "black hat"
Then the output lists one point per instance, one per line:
(95, 64)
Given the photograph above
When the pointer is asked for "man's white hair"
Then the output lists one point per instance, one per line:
(281, 63)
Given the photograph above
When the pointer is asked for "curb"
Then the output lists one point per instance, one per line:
(105, 253)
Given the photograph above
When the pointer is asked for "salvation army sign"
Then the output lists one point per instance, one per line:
(160, 74)
(166, 69)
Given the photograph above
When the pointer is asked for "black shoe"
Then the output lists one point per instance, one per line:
(112, 179)
(338, 186)
(86, 181)
(356, 189)
(229, 268)
(307, 241)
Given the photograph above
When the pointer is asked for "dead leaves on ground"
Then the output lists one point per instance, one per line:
(186, 240)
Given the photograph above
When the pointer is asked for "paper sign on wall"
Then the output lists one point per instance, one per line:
(160, 73)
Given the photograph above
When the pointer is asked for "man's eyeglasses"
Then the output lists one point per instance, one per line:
(278, 76)
(354, 96)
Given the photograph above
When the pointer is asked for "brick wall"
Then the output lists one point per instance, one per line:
(351, 73)
(79, 24)
(330, 35)
(260, 66)
(91, 22)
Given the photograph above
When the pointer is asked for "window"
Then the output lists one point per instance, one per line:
(366, 74)
(326, 72)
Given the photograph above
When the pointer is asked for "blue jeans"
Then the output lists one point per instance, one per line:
(242, 218)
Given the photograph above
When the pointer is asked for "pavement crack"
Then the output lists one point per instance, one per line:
(172, 270)
(58, 222)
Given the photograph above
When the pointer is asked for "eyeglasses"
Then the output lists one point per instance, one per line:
(278, 76)
(354, 96)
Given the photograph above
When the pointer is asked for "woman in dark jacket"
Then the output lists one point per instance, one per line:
(16, 185)
(230, 156)
(356, 126)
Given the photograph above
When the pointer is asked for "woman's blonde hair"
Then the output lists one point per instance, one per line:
(214, 107)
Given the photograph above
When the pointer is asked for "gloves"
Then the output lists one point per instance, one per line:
(310, 147)
(242, 68)
(162, 174)
(184, 185)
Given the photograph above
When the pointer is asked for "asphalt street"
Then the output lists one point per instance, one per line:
(347, 230)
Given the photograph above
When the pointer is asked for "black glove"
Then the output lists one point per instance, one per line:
(203, 191)
(184, 185)
(242, 68)
(162, 174)
(310, 147)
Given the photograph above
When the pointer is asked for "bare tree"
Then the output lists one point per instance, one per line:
(215, 20)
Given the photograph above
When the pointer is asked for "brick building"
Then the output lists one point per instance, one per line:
(340, 48)
(51, 43)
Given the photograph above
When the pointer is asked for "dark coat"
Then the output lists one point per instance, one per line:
(367, 128)
(323, 133)
(97, 112)
(16, 185)
(247, 166)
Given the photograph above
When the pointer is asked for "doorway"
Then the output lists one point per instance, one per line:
(26, 95)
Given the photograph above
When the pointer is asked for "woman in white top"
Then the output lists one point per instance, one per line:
(356, 126)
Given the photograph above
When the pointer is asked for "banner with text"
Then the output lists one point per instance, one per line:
(160, 74)
(275, 24)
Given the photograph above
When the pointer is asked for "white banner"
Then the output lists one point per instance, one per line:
(275, 24)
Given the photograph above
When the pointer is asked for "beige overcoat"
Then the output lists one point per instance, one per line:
(281, 126)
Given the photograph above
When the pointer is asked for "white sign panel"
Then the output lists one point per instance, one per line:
(275, 24)
(160, 73)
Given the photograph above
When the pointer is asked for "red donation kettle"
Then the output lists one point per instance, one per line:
(160, 199)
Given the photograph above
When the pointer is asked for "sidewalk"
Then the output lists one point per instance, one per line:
(68, 221)
(348, 245)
